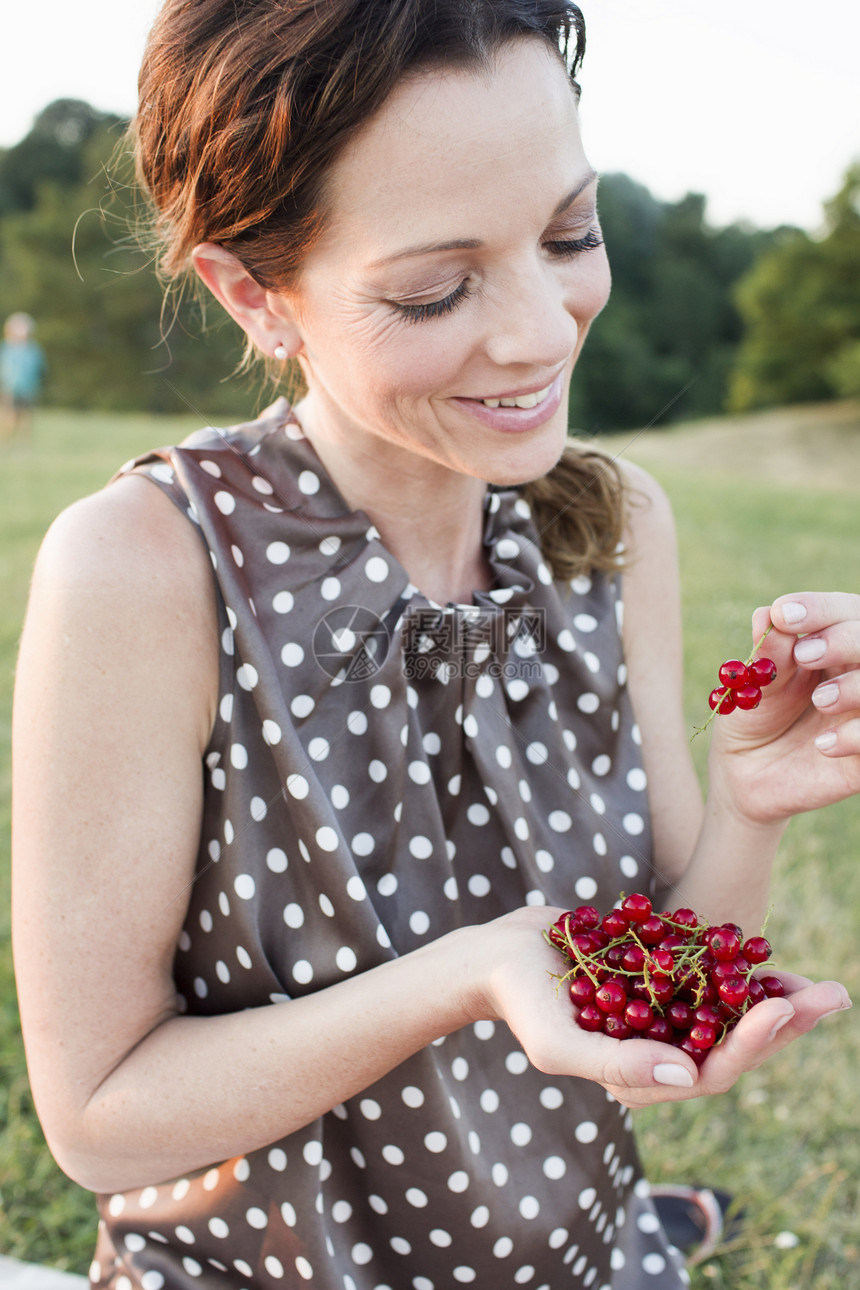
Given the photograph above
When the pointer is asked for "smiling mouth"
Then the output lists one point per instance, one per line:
(522, 401)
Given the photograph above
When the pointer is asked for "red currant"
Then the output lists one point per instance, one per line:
(723, 943)
(772, 986)
(591, 1017)
(748, 697)
(703, 1035)
(762, 671)
(756, 949)
(636, 907)
(581, 991)
(722, 701)
(660, 1030)
(616, 1027)
(734, 991)
(734, 674)
(638, 1014)
(611, 997)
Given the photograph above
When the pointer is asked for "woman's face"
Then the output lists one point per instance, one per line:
(460, 269)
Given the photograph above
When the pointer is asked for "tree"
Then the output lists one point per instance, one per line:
(801, 307)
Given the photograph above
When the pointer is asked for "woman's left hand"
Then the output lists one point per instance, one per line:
(800, 749)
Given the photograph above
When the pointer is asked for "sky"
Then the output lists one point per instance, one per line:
(755, 103)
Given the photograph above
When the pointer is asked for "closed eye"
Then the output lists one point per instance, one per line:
(435, 308)
(590, 242)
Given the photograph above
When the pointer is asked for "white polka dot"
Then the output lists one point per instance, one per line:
(559, 821)
(637, 779)
(134, 1242)
(441, 1238)
(435, 1141)
(380, 696)
(393, 1155)
(460, 1068)
(464, 1274)
(326, 838)
(517, 1063)
(244, 886)
(370, 1109)
(586, 1131)
(479, 885)
(219, 1228)
(294, 915)
(412, 1096)
(489, 1100)
(292, 654)
(517, 689)
(298, 787)
(419, 772)
(551, 1098)
(529, 1207)
(544, 860)
(238, 756)
(276, 860)
(653, 1264)
(536, 753)
(346, 959)
(521, 827)
(648, 1223)
(601, 765)
(557, 1238)
(377, 1204)
(585, 888)
(150, 1280)
(633, 824)
(258, 808)
(377, 770)
(308, 483)
(303, 973)
(387, 884)
(302, 706)
(628, 866)
(503, 1247)
(377, 569)
(521, 1134)
(225, 502)
(330, 590)
(191, 1266)
(257, 1218)
(401, 1246)
(599, 844)
(588, 703)
(420, 847)
(499, 1174)
(247, 676)
(303, 1268)
(355, 888)
(480, 1217)
(279, 553)
(554, 1167)
(597, 803)
(283, 601)
(362, 844)
(419, 922)
(592, 662)
(361, 1253)
(470, 727)
(416, 1197)
(458, 1181)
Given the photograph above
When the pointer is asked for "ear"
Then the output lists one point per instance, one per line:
(265, 316)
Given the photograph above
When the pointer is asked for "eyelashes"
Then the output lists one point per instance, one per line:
(438, 308)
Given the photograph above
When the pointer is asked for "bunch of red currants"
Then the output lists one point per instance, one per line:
(670, 977)
(741, 685)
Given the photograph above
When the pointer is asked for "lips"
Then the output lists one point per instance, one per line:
(518, 411)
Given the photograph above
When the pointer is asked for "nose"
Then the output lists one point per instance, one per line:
(532, 321)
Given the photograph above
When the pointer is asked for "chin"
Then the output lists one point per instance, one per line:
(520, 463)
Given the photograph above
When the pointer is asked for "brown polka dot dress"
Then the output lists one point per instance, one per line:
(382, 770)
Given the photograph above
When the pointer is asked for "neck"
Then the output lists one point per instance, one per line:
(429, 516)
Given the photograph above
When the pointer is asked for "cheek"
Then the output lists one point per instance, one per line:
(590, 291)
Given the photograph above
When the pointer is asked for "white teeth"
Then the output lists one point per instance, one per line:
(524, 401)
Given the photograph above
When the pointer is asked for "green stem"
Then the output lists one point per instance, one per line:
(700, 730)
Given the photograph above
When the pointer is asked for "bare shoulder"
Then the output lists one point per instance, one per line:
(649, 511)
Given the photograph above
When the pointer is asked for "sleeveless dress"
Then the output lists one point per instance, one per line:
(382, 770)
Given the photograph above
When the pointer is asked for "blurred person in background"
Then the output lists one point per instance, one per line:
(22, 371)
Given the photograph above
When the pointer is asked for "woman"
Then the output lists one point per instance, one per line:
(312, 740)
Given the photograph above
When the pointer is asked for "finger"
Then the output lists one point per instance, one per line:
(838, 694)
(811, 611)
(843, 740)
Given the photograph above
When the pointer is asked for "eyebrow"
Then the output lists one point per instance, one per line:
(471, 243)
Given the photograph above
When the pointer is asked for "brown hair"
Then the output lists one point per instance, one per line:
(246, 104)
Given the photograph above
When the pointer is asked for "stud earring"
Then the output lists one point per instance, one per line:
(280, 352)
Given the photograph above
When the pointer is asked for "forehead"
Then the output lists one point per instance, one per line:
(452, 144)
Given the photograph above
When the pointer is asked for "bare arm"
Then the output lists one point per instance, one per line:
(115, 696)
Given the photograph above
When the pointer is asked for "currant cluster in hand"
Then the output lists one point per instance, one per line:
(670, 977)
(741, 685)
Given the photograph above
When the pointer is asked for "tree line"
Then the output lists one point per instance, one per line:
(702, 320)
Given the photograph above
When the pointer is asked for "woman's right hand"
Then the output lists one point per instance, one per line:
(637, 1072)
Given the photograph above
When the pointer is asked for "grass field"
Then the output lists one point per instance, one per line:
(765, 505)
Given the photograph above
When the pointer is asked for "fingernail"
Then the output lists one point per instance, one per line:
(669, 1073)
(810, 650)
(825, 741)
(779, 1023)
(825, 695)
(793, 612)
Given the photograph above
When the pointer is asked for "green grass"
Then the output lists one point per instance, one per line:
(786, 1140)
